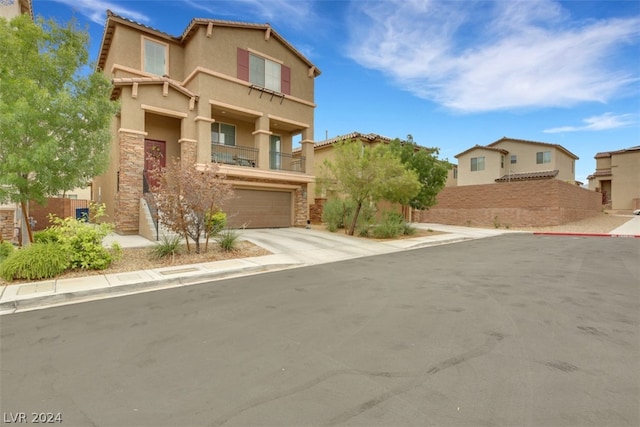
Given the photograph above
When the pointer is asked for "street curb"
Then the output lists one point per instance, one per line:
(45, 301)
(551, 233)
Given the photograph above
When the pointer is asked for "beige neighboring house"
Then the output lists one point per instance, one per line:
(324, 150)
(509, 159)
(234, 93)
(11, 8)
(617, 177)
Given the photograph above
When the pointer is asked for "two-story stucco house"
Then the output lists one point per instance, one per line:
(617, 176)
(509, 159)
(227, 92)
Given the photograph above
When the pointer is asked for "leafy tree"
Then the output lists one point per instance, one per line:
(54, 113)
(189, 198)
(431, 172)
(365, 173)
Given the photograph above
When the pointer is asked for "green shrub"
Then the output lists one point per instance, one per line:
(336, 212)
(228, 239)
(215, 222)
(333, 213)
(6, 248)
(83, 241)
(392, 225)
(409, 230)
(47, 235)
(167, 246)
(36, 261)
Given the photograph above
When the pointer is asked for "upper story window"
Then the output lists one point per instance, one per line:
(222, 133)
(477, 164)
(502, 161)
(264, 72)
(514, 159)
(155, 57)
(543, 157)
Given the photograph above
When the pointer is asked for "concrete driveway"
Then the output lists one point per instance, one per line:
(514, 330)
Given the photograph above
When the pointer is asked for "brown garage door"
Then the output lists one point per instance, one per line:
(259, 209)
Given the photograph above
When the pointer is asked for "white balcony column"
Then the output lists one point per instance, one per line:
(261, 141)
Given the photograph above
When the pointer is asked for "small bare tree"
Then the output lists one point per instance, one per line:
(186, 196)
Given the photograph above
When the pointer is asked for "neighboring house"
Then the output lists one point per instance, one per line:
(324, 150)
(11, 8)
(228, 92)
(509, 159)
(617, 177)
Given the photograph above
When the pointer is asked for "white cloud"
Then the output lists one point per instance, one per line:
(293, 13)
(603, 122)
(96, 10)
(485, 56)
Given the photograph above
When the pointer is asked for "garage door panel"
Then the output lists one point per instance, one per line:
(259, 209)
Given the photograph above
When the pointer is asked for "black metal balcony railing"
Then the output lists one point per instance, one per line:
(234, 155)
(286, 162)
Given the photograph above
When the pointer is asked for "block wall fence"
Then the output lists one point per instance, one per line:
(514, 204)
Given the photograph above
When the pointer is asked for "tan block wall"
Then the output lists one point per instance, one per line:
(515, 204)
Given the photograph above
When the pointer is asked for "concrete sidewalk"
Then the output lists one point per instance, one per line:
(289, 247)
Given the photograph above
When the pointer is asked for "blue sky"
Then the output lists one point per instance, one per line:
(452, 74)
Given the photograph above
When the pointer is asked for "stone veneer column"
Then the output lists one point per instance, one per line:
(127, 213)
(301, 206)
(188, 151)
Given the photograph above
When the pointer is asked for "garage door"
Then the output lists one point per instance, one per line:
(259, 209)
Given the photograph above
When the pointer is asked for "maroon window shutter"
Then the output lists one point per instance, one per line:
(285, 80)
(243, 64)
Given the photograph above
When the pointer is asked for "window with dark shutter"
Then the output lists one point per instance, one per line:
(243, 64)
(285, 80)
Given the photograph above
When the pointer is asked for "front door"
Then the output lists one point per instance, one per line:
(153, 149)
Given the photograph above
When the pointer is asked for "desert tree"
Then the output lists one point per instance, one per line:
(54, 111)
(367, 174)
(431, 171)
(189, 197)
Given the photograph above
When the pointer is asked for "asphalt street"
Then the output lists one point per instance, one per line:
(515, 330)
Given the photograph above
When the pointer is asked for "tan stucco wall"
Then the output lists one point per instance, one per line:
(625, 180)
(492, 167)
(10, 11)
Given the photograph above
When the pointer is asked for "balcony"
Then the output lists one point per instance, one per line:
(248, 157)
(234, 155)
(286, 162)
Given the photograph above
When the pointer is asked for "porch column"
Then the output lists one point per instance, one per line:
(307, 148)
(202, 124)
(261, 141)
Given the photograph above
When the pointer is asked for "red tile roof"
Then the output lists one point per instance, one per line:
(560, 147)
(530, 176)
(623, 151)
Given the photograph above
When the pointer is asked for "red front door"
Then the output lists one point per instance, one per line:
(153, 149)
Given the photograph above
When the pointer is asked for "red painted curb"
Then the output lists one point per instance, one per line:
(551, 233)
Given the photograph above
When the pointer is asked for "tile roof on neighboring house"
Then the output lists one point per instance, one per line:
(112, 18)
(530, 176)
(600, 173)
(349, 136)
(623, 151)
(482, 147)
(560, 147)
